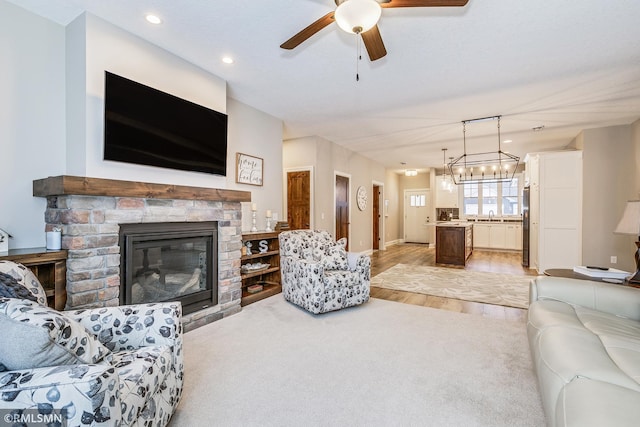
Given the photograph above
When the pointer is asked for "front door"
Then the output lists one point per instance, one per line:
(299, 200)
(342, 208)
(416, 216)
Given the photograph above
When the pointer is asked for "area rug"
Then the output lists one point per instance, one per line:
(382, 363)
(490, 288)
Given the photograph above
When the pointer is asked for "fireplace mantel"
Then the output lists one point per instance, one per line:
(82, 186)
(90, 211)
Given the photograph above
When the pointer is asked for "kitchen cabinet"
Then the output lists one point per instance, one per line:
(454, 243)
(481, 235)
(444, 197)
(497, 235)
(513, 236)
(555, 180)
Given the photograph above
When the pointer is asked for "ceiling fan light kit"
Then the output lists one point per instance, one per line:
(361, 17)
(358, 16)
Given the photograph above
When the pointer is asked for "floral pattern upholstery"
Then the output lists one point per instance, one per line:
(306, 280)
(26, 278)
(139, 383)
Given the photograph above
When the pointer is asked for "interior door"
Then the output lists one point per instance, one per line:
(299, 200)
(416, 216)
(342, 208)
(376, 216)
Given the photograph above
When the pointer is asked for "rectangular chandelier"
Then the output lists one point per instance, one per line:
(493, 166)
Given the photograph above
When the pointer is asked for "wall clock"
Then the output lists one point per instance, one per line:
(361, 198)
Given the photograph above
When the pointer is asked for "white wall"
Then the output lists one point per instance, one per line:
(608, 173)
(51, 120)
(32, 118)
(110, 48)
(260, 135)
(328, 159)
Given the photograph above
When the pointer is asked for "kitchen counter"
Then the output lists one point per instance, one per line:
(454, 242)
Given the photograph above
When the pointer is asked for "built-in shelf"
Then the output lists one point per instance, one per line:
(268, 278)
(50, 267)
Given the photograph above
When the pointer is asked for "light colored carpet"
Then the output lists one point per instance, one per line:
(490, 288)
(379, 364)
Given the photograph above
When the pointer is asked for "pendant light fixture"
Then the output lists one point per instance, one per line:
(493, 166)
(446, 184)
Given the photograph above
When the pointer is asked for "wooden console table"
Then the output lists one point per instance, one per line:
(50, 267)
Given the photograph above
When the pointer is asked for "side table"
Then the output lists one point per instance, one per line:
(570, 274)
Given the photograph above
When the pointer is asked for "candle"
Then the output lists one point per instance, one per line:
(254, 207)
(268, 213)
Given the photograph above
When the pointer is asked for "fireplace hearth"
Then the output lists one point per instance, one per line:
(169, 262)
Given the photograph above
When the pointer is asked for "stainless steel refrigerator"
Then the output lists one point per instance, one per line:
(525, 226)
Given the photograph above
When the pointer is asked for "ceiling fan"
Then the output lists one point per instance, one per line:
(361, 17)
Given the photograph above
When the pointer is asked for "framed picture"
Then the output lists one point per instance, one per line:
(249, 169)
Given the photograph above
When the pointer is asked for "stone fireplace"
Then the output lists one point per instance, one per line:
(90, 212)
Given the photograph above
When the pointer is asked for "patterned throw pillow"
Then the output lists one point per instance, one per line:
(36, 336)
(26, 278)
(335, 258)
(11, 288)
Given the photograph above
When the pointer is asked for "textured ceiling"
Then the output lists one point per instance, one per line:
(566, 65)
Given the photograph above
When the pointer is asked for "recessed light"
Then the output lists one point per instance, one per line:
(507, 141)
(227, 60)
(153, 19)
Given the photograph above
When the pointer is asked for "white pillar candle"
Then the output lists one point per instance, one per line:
(254, 207)
(268, 213)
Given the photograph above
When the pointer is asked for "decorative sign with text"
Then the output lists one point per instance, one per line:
(249, 169)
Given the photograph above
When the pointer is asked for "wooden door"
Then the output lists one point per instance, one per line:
(342, 208)
(299, 200)
(376, 217)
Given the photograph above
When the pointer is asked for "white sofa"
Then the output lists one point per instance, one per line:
(584, 337)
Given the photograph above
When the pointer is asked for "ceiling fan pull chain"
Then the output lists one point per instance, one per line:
(358, 57)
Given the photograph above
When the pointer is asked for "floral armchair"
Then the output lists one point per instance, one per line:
(110, 366)
(319, 275)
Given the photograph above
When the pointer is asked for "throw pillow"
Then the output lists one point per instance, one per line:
(36, 336)
(26, 278)
(10, 288)
(335, 258)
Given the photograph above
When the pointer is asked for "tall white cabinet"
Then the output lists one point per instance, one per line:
(555, 236)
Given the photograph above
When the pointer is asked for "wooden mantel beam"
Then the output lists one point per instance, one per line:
(82, 186)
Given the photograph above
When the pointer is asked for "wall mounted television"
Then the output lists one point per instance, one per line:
(146, 126)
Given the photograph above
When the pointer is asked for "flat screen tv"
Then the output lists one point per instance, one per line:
(149, 127)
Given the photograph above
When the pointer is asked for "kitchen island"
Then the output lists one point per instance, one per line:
(454, 242)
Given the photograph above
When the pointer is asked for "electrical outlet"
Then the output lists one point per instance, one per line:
(614, 260)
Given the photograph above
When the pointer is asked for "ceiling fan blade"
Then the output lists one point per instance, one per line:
(424, 3)
(373, 42)
(309, 31)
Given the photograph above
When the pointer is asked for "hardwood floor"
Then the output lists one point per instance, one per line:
(417, 254)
